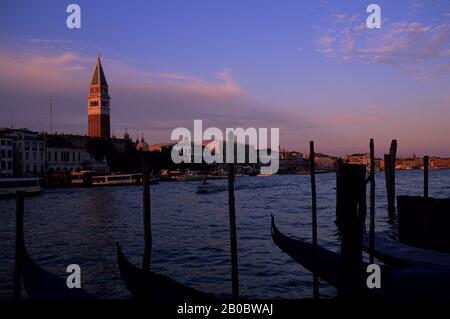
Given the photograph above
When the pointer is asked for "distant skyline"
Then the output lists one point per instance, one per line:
(311, 68)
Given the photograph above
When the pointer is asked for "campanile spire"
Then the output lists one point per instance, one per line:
(98, 103)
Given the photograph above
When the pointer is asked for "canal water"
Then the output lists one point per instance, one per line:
(190, 232)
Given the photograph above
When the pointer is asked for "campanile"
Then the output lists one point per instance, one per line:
(98, 104)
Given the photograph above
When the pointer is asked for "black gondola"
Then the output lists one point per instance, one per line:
(150, 285)
(328, 262)
(397, 282)
(143, 283)
(39, 283)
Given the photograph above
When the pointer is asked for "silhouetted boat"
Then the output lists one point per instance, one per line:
(150, 285)
(397, 282)
(396, 253)
(328, 262)
(121, 180)
(41, 284)
(143, 283)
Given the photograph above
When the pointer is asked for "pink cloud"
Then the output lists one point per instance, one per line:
(153, 102)
(415, 48)
(41, 71)
(52, 71)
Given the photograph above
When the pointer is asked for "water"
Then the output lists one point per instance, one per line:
(190, 232)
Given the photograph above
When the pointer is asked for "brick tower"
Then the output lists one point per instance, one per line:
(98, 104)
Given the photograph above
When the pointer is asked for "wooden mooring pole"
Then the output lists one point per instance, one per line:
(352, 191)
(339, 162)
(233, 237)
(372, 201)
(17, 273)
(316, 292)
(426, 161)
(389, 170)
(146, 212)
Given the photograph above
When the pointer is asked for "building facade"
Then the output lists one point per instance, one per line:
(6, 155)
(98, 104)
(28, 152)
(325, 162)
(290, 161)
(363, 158)
(438, 162)
(61, 155)
(90, 164)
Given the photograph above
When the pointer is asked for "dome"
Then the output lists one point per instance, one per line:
(126, 136)
(142, 145)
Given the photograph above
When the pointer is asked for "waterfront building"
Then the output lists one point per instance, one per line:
(6, 154)
(379, 164)
(98, 104)
(409, 163)
(90, 164)
(142, 145)
(161, 147)
(363, 158)
(121, 144)
(28, 152)
(290, 161)
(325, 162)
(438, 162)
(61, 155)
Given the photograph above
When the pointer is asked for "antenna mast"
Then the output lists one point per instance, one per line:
(12, 119)
(51, 113)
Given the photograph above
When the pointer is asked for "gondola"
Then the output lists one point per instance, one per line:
(143, 283)
(328, 262)
(397, 282)
(150, 285)
(39, 283)
(395, 253)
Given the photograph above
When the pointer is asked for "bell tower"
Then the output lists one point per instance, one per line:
(98, 104)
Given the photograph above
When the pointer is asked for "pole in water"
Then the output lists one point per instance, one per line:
(339, 212)
(352, 184)
(426, 161)
(17, 275)
(233, 239)
(147, 213)
(316, 293)
(372, 200)
(51, 114)
(389, 163)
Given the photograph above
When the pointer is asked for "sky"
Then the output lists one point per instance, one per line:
(310, 68)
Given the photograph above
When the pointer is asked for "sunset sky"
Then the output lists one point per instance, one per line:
(311, 68)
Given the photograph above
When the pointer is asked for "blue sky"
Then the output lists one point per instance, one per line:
(310, 68)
